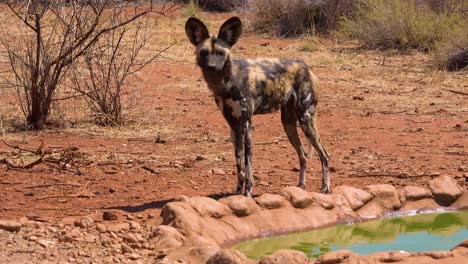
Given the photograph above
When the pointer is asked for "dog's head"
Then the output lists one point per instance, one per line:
(213, 53)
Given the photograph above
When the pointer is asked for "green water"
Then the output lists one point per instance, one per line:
(424, 232)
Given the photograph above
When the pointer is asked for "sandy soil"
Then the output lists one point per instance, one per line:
(385, 117)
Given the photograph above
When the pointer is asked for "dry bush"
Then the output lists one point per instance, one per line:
(217, 5)
(101, 76)
(452, 53)
(296, 17)
(402, 24)
(43, 39)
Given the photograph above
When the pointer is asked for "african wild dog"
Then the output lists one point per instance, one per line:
(243, 88)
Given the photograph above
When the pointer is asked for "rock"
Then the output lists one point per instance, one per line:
(69, 220)
(297, 196)
(203, 252)
(126, 248)
(413, 193)
(270, 201)
(240, 205)
(167, 237)
(285, 256)
(390, 257)
(133, 256)
(45, 243)
(101, 228)
(217, 171)
(325, 200)
(335, 257)
(356, 198)
(118, 227)
(229, 256)
(445, 190)
(134, 225)
(109, 216)
(386, 194)
(439, 254)
(130, 238)
(206, 206)
(84, 222)
(10, 225)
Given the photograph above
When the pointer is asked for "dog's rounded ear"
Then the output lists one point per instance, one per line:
(196, 31)
(230, 31)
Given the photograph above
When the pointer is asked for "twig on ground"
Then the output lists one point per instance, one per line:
(78, 194)
(457, 92)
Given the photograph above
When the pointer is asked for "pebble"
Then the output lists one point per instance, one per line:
(133, 256)
(109, 216)
(10, 225)
(84, 222)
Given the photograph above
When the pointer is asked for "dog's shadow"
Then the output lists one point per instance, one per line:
(159, 204)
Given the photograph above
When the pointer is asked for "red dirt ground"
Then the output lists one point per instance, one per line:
(384, 117)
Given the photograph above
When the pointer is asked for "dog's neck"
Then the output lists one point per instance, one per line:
(217, 80)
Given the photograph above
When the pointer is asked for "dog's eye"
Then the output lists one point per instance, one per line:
(220, 53)
(203, 53)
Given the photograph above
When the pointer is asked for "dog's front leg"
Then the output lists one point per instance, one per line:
(237, 136)
(249, 180)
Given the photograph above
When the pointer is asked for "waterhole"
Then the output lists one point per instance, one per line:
(416, 233)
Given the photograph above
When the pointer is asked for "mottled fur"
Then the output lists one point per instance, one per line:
(245, 87)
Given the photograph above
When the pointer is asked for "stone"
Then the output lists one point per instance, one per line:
(386, 194)
(240, 205)
(167, 237)
(413, 193)
(327, 201)
(297, 196)
(285, 256)
(270, 201)
(356, 198)
(206, 206)
(118, 227)
(84, 222)
(133, 256)
(445, 190)
(130, 238)
(10, 225)
(229, 256)
(439, 254)
(391, 256)
(335, 257)
(109, 216)
(101, 228)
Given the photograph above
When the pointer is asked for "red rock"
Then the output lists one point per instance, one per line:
(386, 194)
(439, 254)
(327, 201)
(166, 237)
(297, 196)
(413, 193)
(240, 205)
(206, 206)
(270, 201)
(285, 256)
(229, 256)
(356, 198)
(445, 190)
(10, 225)
(335, 257)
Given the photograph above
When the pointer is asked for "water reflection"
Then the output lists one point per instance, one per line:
(412, 233)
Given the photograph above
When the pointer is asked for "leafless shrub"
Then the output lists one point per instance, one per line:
(44, 38)
(103, 71)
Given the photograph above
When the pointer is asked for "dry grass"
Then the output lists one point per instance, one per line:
(298, 17)
(403, 24)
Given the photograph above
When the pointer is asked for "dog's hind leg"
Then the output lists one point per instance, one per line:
(308, 122)
(289, 120)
